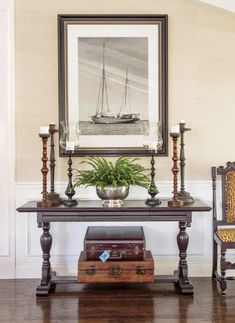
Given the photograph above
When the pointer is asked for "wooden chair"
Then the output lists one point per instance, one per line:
(224, 236)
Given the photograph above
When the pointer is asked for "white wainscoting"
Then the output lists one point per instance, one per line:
(68, 237)
(7, 141)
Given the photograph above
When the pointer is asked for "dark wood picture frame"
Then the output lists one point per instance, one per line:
(161, 21)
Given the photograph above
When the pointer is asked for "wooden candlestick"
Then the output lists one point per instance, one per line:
(45, 202)
(175, 202)
(53, 196)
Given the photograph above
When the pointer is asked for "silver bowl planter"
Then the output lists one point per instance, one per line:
(112, 196)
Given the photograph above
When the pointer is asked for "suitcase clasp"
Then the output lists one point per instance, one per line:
(90, 271)
(136, 250)
(140, 271)
(115, 271)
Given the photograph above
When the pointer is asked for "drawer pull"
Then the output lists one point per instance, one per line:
(140, 271)
(115, 271)
(90, 271)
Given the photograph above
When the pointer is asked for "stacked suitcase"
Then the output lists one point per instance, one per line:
(115, 254)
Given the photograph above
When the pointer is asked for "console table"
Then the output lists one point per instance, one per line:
(136, 210)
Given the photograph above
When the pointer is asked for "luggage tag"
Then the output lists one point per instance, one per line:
(104, 256)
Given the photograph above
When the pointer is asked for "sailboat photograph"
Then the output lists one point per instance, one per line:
(115, 70)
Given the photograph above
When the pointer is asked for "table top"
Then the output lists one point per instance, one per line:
(128, 206)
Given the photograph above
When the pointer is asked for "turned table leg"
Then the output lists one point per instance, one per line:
(46, 241)
(182, 241)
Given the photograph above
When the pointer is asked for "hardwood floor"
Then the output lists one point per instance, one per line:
(110, 304)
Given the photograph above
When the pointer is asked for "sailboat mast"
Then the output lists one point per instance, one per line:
(126, 94)
(126, 86)
(103, 93)
(105, 96)
(103, 81)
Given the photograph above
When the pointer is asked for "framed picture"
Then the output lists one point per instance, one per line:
(113, 81)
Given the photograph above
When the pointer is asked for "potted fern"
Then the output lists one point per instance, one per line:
(112, 181)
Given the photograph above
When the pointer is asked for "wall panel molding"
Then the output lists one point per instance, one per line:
(7, 139)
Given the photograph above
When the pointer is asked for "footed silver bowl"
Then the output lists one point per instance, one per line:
(112, 196)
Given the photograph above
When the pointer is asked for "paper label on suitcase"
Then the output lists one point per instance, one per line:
(104, 256)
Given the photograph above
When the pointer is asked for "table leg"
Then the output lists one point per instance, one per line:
(182, 241)
(46, 241)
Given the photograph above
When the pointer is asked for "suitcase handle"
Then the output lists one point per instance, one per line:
(116, 255)
(140, 271)
(115, 271)
(90, 271)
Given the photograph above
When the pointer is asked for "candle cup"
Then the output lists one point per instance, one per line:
(175, 129)
(44, 130)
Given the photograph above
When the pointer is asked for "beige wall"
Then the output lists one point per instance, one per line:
(201, 78)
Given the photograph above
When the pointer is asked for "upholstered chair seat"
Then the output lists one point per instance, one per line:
(226, 235)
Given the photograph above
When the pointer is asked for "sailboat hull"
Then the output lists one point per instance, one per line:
(113, 120)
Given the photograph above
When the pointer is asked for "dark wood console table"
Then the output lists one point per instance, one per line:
(88, 211)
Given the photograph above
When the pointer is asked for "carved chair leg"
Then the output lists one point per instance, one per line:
(223, 282)
(215, 259)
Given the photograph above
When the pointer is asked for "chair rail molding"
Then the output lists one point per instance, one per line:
(7, 139)
(68, 237)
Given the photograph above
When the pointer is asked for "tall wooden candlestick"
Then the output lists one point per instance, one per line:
(45, 202)
(183, 195)
(175, 202)
(53, 196)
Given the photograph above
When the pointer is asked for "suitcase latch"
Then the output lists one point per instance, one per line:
(140, 271)
(136, 250)
(115, 271)
(90, 271)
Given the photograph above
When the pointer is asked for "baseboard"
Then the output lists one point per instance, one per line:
(7, 269)
(194, 269)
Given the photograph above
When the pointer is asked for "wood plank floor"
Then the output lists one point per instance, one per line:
(110, 304)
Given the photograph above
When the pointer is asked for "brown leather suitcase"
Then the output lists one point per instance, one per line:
(131, 271)
(122, 243)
